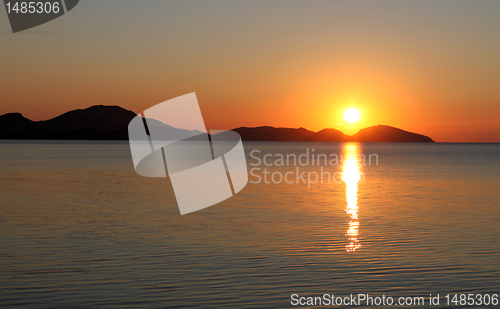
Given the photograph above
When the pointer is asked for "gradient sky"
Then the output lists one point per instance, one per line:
(431, 67)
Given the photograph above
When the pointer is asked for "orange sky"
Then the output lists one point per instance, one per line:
(427, 67)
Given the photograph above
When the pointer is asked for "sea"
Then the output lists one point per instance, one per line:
(316, 225)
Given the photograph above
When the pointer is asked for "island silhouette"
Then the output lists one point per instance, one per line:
(101, 122)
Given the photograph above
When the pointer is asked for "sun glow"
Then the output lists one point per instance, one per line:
(352, 115)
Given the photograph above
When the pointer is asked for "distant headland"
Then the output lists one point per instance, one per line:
(111, 123)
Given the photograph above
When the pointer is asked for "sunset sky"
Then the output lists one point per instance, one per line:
(427, 67)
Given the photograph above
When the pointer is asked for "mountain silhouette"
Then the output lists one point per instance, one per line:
(267, 133)
(94, 123)
(328, 135)
(382, 133)
(111, 123)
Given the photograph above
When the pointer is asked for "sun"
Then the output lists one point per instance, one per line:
(352, 115)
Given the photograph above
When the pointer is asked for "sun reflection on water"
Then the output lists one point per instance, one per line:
(351, 175)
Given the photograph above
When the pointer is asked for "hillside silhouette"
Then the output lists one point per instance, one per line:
(375, 134)
(111, 123)
(382, 134)
(94, 123)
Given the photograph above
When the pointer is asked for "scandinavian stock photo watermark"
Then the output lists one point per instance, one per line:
(308, 167)
(207, 167)
(362, 299)
(25, 15)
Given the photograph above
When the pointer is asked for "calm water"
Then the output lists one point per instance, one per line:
(79, 228)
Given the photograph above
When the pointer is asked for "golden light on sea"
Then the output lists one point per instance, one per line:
(351, 176)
